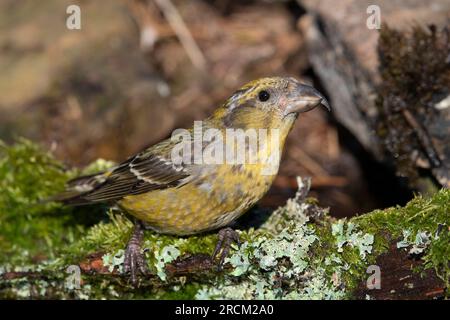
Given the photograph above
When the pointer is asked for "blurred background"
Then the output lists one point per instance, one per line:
(138, 69)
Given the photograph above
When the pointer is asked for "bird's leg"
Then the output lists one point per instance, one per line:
(226, 237)
(134, 257)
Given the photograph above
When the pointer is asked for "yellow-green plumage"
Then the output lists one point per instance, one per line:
(212, 199)
(199, 197)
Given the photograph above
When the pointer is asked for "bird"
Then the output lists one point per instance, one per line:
(180, 195)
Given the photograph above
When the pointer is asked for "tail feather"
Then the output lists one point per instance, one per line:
(77, 188)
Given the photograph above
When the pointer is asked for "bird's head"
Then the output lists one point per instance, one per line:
(278, 99)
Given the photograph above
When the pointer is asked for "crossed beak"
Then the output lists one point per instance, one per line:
(306, 98)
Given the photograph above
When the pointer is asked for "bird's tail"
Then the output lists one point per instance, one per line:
(77, 188)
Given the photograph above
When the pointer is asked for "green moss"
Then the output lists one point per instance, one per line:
(28, 175)
(431, 215)
(288, 257)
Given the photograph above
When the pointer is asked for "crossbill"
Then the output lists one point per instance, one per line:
(188, 197)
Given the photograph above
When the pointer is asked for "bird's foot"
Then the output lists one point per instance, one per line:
(226, 237)
(134, 262)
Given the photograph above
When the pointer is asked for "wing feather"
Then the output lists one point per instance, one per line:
(147, 171)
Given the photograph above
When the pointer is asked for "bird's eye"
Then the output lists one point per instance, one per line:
(263, 95)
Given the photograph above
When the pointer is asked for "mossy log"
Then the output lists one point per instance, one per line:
(296, 252)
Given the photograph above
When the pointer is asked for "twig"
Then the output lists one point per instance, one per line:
(423, 137)
(333, 144)
(146, 20)
(309, 163)
(184, 35)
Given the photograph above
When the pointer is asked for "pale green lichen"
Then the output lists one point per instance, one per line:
(240, 260)
(294, 212)
(316, 286)
(404, 243)
(346, 234)
(163, 257)
(287, 257)
(293, 245)
(114, 261)
(263, 264)
(319, 288)
(420, 243)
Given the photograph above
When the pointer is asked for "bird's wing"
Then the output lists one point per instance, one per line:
(149, 170)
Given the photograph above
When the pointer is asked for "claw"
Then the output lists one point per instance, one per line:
(226, 237)
(134, 262)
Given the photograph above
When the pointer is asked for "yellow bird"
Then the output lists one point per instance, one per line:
(226, 167)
